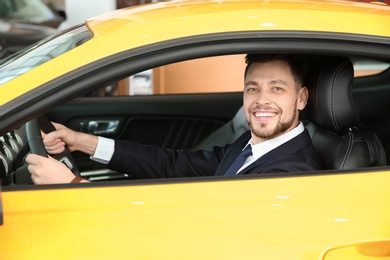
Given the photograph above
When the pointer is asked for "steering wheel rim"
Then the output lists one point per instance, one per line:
(35, 143)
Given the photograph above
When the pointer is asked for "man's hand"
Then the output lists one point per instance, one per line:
(48, 170)
(55, 141)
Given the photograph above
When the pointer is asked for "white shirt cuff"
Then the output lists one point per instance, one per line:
(104, 150)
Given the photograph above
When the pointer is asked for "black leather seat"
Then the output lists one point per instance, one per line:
(334, 118)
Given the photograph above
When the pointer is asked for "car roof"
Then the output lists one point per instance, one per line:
(185, 18)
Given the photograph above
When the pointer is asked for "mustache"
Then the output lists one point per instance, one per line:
(266, 108)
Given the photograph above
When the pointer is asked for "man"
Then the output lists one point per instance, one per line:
(273, 96)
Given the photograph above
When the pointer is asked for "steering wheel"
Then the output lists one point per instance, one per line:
(35, 142)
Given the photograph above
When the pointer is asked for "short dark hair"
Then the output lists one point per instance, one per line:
(292, 61)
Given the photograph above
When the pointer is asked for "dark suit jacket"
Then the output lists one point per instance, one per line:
(143, 161)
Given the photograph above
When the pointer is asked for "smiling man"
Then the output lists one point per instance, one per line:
(273, 95)
(277, 142)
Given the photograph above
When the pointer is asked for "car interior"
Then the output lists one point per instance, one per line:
(334, 118)
(345, 116)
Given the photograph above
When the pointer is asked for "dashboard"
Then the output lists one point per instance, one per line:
(13, 149)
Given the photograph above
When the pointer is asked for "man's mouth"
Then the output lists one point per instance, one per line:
(264, 114)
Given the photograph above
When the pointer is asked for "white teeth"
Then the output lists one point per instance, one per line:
(264, 114)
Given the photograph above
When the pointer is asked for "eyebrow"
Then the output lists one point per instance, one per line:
(272, 82)
(250, 83)
(279, 81)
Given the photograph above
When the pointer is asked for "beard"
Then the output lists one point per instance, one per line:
(281, 127)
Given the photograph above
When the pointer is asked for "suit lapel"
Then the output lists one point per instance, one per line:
(297, 143)
(232, 152)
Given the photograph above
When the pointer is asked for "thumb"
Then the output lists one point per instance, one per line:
(50, 137)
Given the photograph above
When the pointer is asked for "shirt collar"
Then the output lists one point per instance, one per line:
(262, 148)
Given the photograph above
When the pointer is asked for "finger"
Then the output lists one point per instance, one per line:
(32, 170)
(54, 143)
(60, 147)
(53, 137)
(43, 134)
(56, 128)
(57, 125)
(32, 159)
(48, 142)
(34, 179)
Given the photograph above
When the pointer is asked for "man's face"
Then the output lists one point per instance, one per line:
(272, 100)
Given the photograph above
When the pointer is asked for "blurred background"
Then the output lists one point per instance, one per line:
(23, 22)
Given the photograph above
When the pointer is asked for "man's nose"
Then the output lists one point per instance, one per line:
(263, 98)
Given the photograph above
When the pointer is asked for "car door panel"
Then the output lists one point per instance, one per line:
(247, 217)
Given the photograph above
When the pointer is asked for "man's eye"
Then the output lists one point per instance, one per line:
(251, 90)
(278, 89)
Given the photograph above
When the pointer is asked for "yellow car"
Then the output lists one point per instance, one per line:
(171, 74)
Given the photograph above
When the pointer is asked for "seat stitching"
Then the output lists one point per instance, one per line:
(333, 114)
(349, 149)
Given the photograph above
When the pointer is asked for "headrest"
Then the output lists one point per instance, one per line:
(239, 121)
(330, 103)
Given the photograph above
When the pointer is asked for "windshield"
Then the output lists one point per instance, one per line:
(29, 11)
(42, 52)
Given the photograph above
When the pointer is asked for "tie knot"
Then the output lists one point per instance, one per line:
(247, 151)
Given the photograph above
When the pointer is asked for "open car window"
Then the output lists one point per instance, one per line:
(369, 67)
(206, 75)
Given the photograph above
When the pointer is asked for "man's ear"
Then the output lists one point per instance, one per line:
(303, 96)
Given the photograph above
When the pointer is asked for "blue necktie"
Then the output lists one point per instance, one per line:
(240, 160)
